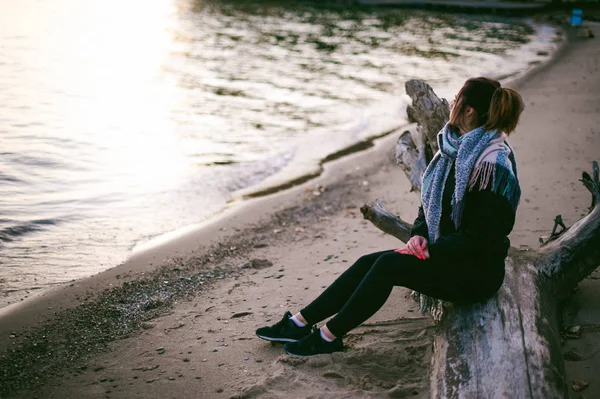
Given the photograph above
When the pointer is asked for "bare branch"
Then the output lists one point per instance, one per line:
(558, 222)
(596, 171)
(386, 222)
(576, 253)
(593, 185)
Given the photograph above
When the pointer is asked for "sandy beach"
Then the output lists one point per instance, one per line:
(178, 320)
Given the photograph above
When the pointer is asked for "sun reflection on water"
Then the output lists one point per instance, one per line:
(116, 94)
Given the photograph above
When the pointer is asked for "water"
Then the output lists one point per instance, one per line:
(123, 120)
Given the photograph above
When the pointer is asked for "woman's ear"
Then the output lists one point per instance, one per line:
(469, 111)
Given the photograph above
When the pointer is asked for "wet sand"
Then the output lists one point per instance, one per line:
(179, 320)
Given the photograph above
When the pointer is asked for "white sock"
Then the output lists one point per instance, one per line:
(324, 337)
(297, 322)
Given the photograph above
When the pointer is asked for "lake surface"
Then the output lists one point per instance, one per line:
(124, 120)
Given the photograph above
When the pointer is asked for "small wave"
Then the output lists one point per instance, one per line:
(51, 222)
(217, 163)
(9, 179)
(35, 161)
(11, 233)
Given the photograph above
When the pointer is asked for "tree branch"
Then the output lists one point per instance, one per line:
(558, 222)
(576, 253)
(386, 222)
(593, 185)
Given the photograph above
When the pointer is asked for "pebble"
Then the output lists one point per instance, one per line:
(573, 355)
(240, 314)
(579, 385)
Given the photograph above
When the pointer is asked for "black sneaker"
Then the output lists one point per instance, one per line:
(312, 345)
(284, 330)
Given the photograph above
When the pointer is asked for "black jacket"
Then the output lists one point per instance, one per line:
(487, 220)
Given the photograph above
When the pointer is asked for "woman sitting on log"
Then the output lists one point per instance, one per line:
(458, 244)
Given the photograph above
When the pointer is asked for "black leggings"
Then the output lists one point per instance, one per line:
(363, 289)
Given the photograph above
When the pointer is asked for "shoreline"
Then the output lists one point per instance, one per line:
(249, 215)
(476, 7)
(230, 243)
(240, 216)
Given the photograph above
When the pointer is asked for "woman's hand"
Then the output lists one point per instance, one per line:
(416, 246)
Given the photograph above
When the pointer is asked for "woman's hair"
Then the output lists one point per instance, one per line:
(497, 108)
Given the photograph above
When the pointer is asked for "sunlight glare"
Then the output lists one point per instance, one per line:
(119, 91)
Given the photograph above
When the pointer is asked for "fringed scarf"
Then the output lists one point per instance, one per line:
(483, 161)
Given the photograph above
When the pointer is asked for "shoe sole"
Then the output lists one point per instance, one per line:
(302, 356)
(276, 339)
(305, 356)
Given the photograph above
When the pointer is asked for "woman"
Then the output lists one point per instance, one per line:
(458, 243)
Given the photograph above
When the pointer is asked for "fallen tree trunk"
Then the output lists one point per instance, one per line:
(508, 346)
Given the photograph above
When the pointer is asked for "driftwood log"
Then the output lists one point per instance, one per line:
(508, 346)
(414, 151)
